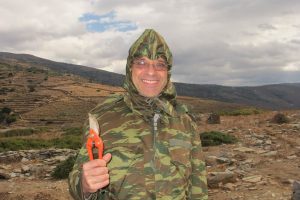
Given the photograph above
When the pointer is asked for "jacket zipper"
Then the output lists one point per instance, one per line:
(155, 121)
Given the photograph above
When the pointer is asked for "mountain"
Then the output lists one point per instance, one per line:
(100, 76)
(276, 96)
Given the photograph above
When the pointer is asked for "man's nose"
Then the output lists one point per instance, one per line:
(150, 68)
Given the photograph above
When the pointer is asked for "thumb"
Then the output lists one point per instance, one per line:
(107, 157)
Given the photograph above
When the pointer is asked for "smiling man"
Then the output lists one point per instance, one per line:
(149, 76)
(152, 146)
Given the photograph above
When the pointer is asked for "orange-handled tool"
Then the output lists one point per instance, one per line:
(94, 141)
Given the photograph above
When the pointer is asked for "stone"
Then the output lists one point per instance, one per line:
(244, 149)
(258, 142)
(38, 171)
(61, 158)
(211, 160)
(291, 157)
(296, 190)
(223, 160)
(6, 167)
(13, 175)
(4, 175)
(270, 153)
(253, 179)
(214, 178)
(288, 181)
(229, 186)
(25, 169)
(268, 142)
(17, 170)
(24, 160)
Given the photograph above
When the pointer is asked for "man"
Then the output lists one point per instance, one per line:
(152, 148)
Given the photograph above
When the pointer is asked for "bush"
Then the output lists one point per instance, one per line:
(2, 117)
(6, 110)
(15, 144)
(17, 132)
(214, 138)
(241, 111)
(73, 131)
(6, 115)
(280, 118)
(214, 118)
(10, 119)
(62, 170)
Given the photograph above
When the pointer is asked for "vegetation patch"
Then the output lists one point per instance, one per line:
(15, 144)
(213, 118)
(36, 70)
(7, 116)
(241, 111)
(18, 132)
(62, 170)
(214, 138)
(73, 131)
(280, 118)
(5, 90)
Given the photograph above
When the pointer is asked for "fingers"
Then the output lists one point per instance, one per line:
(107, 157)
(94, 163)
(93, 187)
(95, 171)
(97, 179)
(95, 174)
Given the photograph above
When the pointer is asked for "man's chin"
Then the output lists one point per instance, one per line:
(149, 94)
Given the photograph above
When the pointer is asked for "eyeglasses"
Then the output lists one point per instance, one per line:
(158, 66)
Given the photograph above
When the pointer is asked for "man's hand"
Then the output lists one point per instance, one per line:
(95, 174)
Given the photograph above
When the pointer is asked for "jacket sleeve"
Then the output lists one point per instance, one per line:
(198, 179)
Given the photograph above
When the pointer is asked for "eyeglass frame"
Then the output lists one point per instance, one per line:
(147, 64)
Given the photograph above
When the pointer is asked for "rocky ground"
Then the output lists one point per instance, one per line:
(262, 165)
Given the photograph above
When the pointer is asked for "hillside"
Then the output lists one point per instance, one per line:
(277, 96)
(45, 97)
(51, 106)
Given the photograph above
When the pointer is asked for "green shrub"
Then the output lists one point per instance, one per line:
(7, 116)
(10, 119)
(214, 138)
(2, 117)
(22, 144)
(62, 170)
(18, 132)
(15, 144)
(241, 111)
(73, 131)
(213, 118)
(6, 110)
(280, 118)
(68, 141)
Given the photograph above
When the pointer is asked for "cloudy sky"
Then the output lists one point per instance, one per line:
(226, 42)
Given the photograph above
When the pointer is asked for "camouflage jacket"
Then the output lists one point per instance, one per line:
(156, 149)
(150, 160)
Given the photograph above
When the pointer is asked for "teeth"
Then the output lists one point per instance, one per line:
(150, 81)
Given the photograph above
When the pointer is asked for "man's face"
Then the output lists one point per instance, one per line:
(149, 76)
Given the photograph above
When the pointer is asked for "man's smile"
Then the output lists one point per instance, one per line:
(149, 81)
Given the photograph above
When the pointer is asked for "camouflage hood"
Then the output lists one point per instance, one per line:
(153, 46)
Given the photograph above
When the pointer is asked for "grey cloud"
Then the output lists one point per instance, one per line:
(217, 42)
(266, 27)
